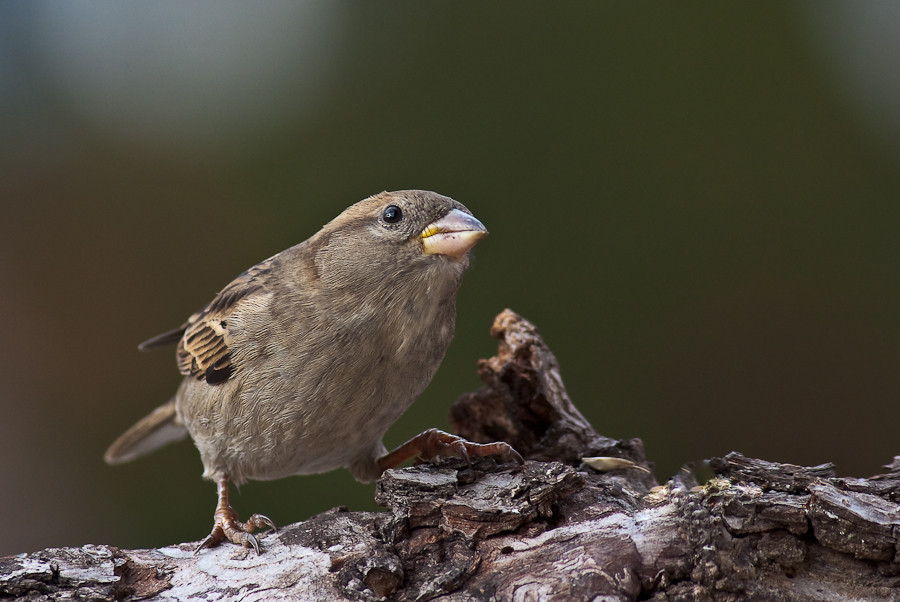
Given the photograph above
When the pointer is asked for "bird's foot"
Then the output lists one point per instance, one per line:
(434, 443)
(227, 526)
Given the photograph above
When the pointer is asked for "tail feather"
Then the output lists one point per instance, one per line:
(159, 428)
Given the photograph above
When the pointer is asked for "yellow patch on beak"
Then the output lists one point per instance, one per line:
(452, 235)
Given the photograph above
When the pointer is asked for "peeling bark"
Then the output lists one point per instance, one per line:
(551, 529)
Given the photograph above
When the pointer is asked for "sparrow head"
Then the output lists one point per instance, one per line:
(395, 233)
(426, 223)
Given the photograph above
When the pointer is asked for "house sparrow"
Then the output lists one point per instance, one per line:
(301, 363)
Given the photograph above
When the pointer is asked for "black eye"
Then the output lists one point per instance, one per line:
(392, 214)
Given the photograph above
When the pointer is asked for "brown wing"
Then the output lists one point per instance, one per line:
(204, 340)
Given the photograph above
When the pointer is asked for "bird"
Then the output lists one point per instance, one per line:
(301, 363)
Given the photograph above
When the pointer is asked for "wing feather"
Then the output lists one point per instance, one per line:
(170, 337)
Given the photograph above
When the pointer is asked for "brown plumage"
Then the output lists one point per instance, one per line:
(301, 364)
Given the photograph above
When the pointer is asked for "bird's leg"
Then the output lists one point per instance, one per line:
(433, 443)
(227, 526)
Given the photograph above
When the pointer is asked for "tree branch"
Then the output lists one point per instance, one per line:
(552, 529)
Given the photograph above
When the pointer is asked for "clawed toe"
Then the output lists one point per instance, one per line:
(499, 449)
(258, 521)
(211, 540)
(242, 538)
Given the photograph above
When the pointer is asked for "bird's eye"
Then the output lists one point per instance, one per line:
(392, 214)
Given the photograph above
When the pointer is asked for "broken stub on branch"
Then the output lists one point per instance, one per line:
(523, 402)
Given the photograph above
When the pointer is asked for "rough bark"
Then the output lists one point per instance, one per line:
(551, 529)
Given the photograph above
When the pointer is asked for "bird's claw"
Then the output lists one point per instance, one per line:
(439, 443)
(435, 443)
(227, 526)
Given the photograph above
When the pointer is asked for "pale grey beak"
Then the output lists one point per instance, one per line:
(452, 235)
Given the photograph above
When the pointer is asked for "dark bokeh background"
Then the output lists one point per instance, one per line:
(697, 206)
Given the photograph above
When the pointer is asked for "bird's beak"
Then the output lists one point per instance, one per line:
(452, 235)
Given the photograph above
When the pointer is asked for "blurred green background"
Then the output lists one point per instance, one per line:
(697, 205)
